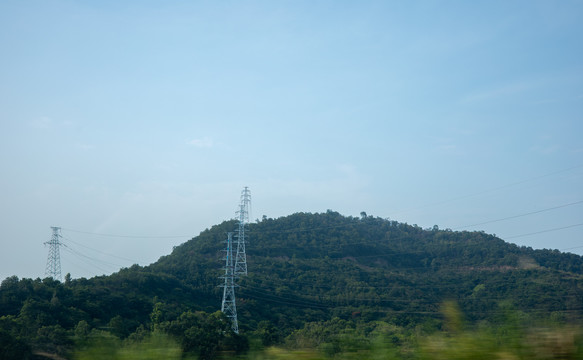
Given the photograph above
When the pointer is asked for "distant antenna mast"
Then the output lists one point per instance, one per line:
(53, 268)
(241, 257)
(228, 307)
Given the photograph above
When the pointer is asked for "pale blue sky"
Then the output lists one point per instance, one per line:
(148, 118)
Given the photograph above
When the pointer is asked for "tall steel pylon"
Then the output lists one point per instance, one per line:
(53, 268)
(241, 257)
(228, 306)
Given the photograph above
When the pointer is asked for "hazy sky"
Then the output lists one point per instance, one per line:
(147, 119)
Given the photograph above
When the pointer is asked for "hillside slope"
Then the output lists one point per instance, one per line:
(304, 268)
(308, 267)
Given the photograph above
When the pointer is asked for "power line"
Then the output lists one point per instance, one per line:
(79, 266)
(544, 231)
(383, 296)
(268, 282)
(288, 301)
(492, 189)
(130, 236)
(329, 304)
(66, 248)
(520, 215)
(91, 258)
(101, 252)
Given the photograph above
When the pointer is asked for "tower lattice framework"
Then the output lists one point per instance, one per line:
(53, 268)
(228, 306)
(241, 256)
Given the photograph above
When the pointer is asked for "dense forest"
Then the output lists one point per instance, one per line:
(323, 284)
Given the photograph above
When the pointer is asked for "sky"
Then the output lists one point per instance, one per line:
(134, 125)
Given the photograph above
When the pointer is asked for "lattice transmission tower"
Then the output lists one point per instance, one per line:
(228, 306)
(241, 257)
(53, 268)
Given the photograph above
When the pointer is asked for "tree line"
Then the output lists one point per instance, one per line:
(334, 284)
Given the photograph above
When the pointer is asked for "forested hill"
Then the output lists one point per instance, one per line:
(304, 269)
(308, 267)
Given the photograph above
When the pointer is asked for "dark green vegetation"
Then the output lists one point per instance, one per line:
(341, 286)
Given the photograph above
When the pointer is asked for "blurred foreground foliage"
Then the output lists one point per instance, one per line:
(200, 335)
(103, 345)
(516, 338)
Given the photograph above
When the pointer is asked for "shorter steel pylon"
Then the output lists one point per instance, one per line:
(53, 268)
(241, 257)
(228, 306)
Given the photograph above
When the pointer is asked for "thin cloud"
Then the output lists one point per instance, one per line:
(447, 147)
(503, 91)
(445, 144)
(85, 147)
(545, 149)
(205, 142)
(43, 122)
